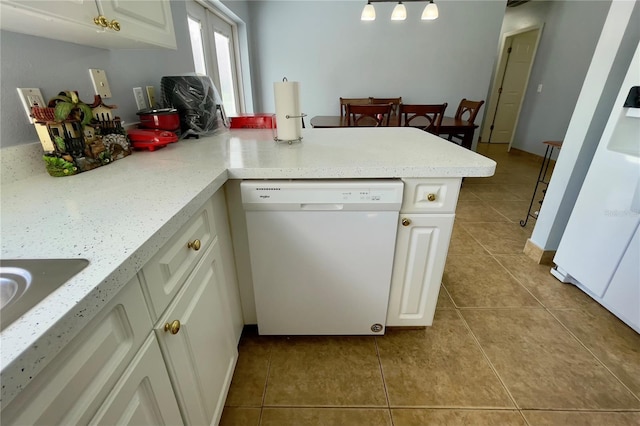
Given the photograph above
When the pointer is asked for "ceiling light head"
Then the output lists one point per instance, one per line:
(368, 13)
(399, 12)
(430, 12)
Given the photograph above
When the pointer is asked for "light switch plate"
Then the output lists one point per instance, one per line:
(151, 94)
(140, 102)
(100, 83)
(30, 97)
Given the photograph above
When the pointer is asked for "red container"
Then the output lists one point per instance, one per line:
(151, 139)
(253, 121)
(162, 119)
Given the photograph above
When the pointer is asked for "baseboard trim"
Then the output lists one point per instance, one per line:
(539, 255)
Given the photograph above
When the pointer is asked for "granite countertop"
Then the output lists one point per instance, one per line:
(118, 216)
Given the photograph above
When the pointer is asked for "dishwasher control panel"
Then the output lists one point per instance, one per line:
(346, 193)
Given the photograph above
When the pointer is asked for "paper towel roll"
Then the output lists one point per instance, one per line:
(287, 96)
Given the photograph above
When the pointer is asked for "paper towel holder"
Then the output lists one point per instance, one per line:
(288, 117)
(291, 141)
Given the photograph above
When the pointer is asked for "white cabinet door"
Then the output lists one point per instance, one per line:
(76, 11)
(143, 395)
(421, 252)
(201, 355)
(74, 384)
(142, 23)
(221, 219)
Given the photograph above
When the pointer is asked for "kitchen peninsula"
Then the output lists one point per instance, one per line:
(121, 218)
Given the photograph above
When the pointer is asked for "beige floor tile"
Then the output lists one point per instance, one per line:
(463, 243)
(250, 376)
(515, 211)
(542, 365)
(499, 237)
(477, 211)
(466, 194)
(240, 416)
(325, 417)
(488, 192)
(504, 178)
(544, 286)
(421, 417)
(441, 366)
(524, 191)
(614, 343)
(324, 370)
(581, 418)
(478, 281)
(444, 300)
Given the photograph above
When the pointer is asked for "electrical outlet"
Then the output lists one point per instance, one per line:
(31, 97)
(151, 94)
(100, 83)
(140, 102)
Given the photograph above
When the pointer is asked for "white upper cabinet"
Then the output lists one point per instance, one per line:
(127, 23)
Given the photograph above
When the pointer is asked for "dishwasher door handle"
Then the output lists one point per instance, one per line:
(321, 207)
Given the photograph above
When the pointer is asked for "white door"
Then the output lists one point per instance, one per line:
(509, 91)
(214, 47)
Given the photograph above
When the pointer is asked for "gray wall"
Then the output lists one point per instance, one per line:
(569, 38)
(325, 46)
(54, 66)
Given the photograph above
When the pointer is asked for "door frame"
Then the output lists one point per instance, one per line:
(235, 50)
(497, 76)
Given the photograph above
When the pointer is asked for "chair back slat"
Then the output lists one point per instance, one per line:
(368, 115)
(395, 103)
(468, 110)
(427, 117)
(353, 101)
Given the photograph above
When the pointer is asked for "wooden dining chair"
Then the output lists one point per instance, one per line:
(368, 115)
(395, 103)
(426, 117)
(467, 111)
(353, 101)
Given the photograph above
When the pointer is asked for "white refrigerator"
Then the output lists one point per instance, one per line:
(600, 248)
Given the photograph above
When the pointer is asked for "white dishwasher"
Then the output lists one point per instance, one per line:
(321, 254)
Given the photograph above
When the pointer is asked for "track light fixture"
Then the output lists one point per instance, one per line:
(399, 13)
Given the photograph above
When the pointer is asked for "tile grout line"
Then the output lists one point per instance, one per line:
(518, 281)
(266, 384)
(637, 397)
(486, 357)
(384, 382)
(548, 310)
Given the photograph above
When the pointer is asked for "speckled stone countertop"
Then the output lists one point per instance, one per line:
(118, 216)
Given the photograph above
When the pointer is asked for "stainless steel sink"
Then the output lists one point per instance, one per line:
(25, 282)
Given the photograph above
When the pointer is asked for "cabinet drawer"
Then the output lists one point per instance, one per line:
(74, 384)
(165, 273)
(430, 195)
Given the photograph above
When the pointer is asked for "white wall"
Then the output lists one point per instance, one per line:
(615, 48)
(569, 38)
(325, 46)
(54, 66)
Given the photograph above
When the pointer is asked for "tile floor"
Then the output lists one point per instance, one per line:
(509, 345)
